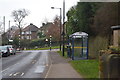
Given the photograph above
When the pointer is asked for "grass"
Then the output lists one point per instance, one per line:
(45, 48)
(60, 53)
(86, 68)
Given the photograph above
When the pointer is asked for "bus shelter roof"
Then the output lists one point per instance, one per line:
(79, 35)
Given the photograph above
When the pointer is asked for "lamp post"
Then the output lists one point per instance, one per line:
(50, 41)
(19, 41)
(60, 23)
(63, 33)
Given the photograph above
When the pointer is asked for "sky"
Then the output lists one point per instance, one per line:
(40, 10)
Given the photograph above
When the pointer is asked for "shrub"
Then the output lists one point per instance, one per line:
(96, 44)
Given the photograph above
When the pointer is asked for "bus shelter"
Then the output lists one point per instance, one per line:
(78, 46)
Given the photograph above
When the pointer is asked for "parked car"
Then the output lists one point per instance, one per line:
(12, 50)
(5, 50)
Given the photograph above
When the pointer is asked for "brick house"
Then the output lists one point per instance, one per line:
(44, 28)
(30, 32)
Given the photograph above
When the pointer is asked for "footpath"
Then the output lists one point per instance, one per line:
(60, 68)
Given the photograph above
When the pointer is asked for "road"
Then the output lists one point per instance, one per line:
(26, 64)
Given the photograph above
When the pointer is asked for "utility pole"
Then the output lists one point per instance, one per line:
(60, 28)
(63, 27)
(4, 23)
(9, 30)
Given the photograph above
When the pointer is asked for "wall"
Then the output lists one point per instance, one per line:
(116, 37)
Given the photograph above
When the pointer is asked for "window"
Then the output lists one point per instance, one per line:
(23, 33)
(28, 37)
(22, 37)
(28, 32)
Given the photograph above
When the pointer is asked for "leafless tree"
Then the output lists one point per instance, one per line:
(18, 16)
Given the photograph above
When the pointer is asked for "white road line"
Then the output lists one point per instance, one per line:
(46, 61)
(16, 74)
(48, 69)
(33, 61)
(5, 69)
(9, 67)
(40, 69)
(22, 74)
(11, 74)
(46, 65)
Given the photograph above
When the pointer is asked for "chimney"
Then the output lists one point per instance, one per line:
(31, 23)
(43, 24)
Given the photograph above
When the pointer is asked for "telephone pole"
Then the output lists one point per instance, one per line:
(9, 30)
(4, 23)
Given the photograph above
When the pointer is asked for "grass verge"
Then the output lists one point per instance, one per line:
(45, 48)
(60, 53)
(86, 68)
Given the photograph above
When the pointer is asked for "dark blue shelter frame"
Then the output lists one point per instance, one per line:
(83, 36)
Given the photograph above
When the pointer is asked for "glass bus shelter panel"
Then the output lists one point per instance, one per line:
(84, 48)
(77, 48)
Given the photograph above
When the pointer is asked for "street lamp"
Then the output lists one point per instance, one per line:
(50, 41)
(60, 23)
(19, 41)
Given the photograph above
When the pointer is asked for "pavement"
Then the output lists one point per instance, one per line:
(60, 68)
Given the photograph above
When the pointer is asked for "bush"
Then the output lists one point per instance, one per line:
(96, 44)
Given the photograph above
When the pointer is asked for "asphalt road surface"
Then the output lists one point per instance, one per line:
(26, 64)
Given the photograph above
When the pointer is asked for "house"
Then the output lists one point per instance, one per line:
(11, 32)
(30, 32)
(44, 28)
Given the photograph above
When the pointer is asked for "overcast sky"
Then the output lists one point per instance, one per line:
(40, 10)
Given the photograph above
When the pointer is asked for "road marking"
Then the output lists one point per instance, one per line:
(40, 69)
(48, 69)
(16, 74)
(11, 74)
(46, 65)
(33, 61)
(46, 61)
(9, 67)
(22, 74)
(5, 69)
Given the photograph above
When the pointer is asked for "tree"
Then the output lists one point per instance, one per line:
(105, 17)
(81, 17)
(84, 13)
(54, 30)
(18, 16)
(41, 35)
(71, 24)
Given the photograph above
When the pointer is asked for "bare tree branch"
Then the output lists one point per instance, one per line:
(19, 15)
